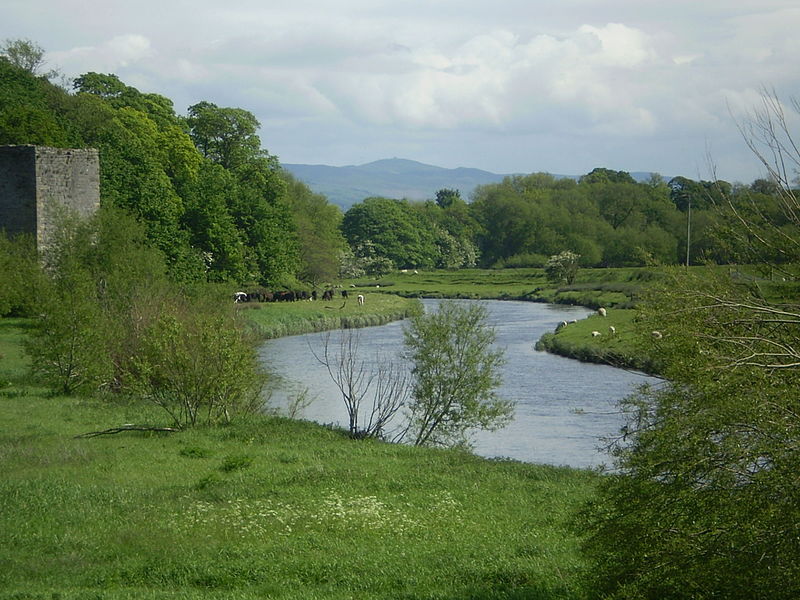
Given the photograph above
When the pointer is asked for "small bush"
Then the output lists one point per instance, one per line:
(195, 452)
(236, 463)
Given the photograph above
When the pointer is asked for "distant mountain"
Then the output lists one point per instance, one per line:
(389, 178)
(396, 178)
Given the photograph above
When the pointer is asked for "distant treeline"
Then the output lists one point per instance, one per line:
(220, 208)
(606, 217)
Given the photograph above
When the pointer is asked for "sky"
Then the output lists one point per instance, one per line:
(509, 86)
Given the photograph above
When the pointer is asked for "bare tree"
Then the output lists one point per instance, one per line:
(372, 395)
(771, 234)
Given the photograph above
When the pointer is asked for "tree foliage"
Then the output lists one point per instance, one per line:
(562, 267)
(455, 372)
(26, 55)
(705, 503)
(196, 363)
(19, 275)
(214, 203)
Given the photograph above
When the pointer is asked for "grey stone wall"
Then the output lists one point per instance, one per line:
(36, 180)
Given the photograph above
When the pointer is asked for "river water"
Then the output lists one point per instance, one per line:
(564, 408)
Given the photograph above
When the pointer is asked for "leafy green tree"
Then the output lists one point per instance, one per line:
(562, 267)
(455, 372)
(603, 175)
(20, 275)
(27, 55)
(394, 228)
(227, 136)
(212, 228)
(196, 362)
(318, 231)
(69, 345)
(509, 223)
(704, 502)
(445, 198)
(617, 201)
(26, 116)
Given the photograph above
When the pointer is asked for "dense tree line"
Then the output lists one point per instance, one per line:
(605, 217)
(213, 202)
(220, 208)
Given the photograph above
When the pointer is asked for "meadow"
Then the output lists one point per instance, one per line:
(264, 508)
(592, 287)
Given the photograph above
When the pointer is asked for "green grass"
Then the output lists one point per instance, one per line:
(593, 287)
(265, 508)
(623, 348)
(277, 319)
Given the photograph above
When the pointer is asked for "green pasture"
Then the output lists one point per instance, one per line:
(623, 347)
(264, 508)
(593, 287)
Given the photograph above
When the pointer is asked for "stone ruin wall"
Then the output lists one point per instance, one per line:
(35, 180)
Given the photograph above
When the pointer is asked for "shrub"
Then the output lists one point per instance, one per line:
(562, 267)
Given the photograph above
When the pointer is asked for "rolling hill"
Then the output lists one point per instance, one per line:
(390, 178)
(396, 178)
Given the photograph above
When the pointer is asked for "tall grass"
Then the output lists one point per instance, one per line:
(277, 319)
(266, 508)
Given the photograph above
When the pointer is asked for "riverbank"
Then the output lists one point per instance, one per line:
(611, 340)
(266, 507)
(277, 319)
(593, 288)
(616, 290)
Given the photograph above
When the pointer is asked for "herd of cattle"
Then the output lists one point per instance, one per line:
(263, 295)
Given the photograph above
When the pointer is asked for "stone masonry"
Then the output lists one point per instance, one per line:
(34, 180)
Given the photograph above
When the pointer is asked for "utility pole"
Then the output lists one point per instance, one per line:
(688, 231)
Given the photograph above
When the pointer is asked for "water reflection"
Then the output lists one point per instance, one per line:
(563, 407)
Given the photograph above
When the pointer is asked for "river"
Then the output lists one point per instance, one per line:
(564, 408)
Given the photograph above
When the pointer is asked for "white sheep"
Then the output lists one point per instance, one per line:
(561, 326)
(657, 335)
(612, 330)
(361, 299)
(601, 311)
(596, 334)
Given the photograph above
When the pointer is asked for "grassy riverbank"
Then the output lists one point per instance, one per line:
(277, 319)
(623, 348)
(593, 287)
(618, 290)
(268, 508)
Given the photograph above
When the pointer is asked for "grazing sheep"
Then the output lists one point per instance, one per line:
(612, 330)
(657, 335)
(361, 299)
(601, 311)
(561, 326)
(596, 334)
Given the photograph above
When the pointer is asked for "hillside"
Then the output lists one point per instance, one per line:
(390, 178)
(396, 178)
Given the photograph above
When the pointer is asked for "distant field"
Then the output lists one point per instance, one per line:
(593, 287)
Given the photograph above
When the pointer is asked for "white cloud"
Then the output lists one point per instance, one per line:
(630, 78)
(117, 52)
